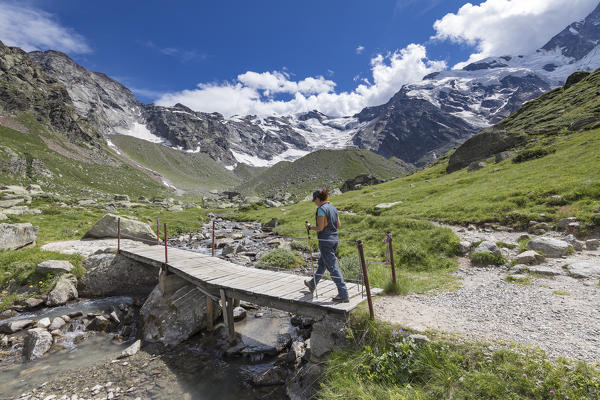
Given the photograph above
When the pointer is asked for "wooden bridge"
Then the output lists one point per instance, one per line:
(222, 280)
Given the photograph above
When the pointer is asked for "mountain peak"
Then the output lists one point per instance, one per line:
(579, 38)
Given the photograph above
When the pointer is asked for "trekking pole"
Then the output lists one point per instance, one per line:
(312, 264)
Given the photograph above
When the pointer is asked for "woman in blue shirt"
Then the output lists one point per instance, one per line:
(327, 225)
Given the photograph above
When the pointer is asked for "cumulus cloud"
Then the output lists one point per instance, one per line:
(254, 93)
(360, 49)
(501, 27)
(34, 29)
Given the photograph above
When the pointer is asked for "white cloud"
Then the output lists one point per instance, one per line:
(34, 29)
(360, 49)
(252, 93)
(501, 27)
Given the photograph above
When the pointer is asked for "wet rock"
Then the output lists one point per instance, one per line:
(131, 350)
(174, 311)
(305, 383)
(297, 351)
(57, 323)
(16, 236)
(107, 227)
(99, 323)
(32, 303)
(488, 247)
(76, 314)
(115, 275)
(54, 266)
(56, 332)
(239, 313)
(327, 335)
(584, 270)
(37, 342)
(273, 376)
(43, 323)
(114, 318)
(529, 257)
(8, 314)
(549, 247)
(15, 326)
(64, 290)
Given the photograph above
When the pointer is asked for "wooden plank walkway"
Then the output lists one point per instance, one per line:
(263, 287)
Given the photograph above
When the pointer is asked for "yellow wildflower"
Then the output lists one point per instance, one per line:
(30, 286)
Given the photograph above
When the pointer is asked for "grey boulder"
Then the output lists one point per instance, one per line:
(54, 266)
(64, 290)
(16, 236)
(37, 342)
(549, 247)
(488, 247)
(584, 270)
(530, 257)
(107, 227)
(57, 323)
(131, 350)
(15, 326)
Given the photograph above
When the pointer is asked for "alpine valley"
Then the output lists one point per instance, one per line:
(421, 122)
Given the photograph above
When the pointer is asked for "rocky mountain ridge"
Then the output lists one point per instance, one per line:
(423, 120)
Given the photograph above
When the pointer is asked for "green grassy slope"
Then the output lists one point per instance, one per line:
(323, 168)
(74, 170)
(187, 171)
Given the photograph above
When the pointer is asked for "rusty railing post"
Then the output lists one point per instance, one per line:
(118, 235)
(166, 254)
(213, 238)
(363, 264)
(391, 252)
(157, 232)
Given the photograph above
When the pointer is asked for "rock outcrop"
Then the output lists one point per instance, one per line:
(549, 247)
(174, 311)
(53, 266)
(16, 236)
(114, 275)
(64, 290)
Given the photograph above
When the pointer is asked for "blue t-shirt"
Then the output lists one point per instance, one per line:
(330, 213)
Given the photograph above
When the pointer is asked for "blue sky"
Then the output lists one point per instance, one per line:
(280, 56)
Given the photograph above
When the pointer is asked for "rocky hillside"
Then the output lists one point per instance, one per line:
(562, 111)
(323, 168)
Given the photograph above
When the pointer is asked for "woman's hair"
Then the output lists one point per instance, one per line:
(321, 194)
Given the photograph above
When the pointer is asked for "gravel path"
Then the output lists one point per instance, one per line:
(560, 314)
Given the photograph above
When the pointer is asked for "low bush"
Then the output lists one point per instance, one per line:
(487, 259)
(532, 154)
(281, 258)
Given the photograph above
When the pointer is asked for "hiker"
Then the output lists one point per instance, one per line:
(328, 223)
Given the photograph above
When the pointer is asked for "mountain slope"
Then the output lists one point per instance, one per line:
(186, 171)
(323, 168)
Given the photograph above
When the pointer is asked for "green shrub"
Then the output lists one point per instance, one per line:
(487, 259)
(506, 245)
(281, 258)
(532, 154)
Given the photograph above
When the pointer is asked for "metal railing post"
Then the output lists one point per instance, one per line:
(391, 252)
(157, 231)
(363, 263)
(118, 235)
(166, 254)
(213, 238)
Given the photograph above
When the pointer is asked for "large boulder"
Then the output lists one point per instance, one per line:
(54, 266)
(549, 247)
(107, 227)
(481, 146)
(530, 257)
(328, 334)
(37, 342)
(115, 275)
(16, 236)
(174, 311)
(64, 290)
(15, 326)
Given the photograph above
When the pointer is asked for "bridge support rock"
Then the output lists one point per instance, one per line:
(174, 311)
(328, 334)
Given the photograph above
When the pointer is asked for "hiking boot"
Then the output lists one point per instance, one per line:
(339, 299)
(309, 286)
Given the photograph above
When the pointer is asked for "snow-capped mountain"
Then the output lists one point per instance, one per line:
(421, 121)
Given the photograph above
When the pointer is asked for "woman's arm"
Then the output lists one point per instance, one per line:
(321, 223)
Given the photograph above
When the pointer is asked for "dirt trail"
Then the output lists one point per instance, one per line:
(559, 314)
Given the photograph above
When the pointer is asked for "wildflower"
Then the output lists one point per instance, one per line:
(397, 332)
(552, 392)
(30, 286)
